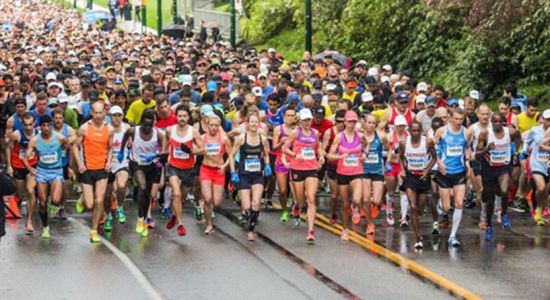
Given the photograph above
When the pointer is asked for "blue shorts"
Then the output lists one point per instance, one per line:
(49, 175)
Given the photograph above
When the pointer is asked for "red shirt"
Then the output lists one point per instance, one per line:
(441, 103)
(168, 121)
(324, 126)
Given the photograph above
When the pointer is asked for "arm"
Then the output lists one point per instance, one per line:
(228, 147)
(238, 143)
(76, 149)
(277, 142)
(482, 146)
(28, 153)
(286, 147)
(441, 164)
(110, 149)
(199, 149)
(332, 151)
(402, 158)
(12, 138)
(433, 160)
(545, 143)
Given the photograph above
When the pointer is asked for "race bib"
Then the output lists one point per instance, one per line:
(48, 158)
(144, 160)
(22, 154)
(497, 157)
(454, 150)
(351, 160)
(213, 149)
(179, 154)
(542, 157)
(416, 165)
(252, 165)
(372, 158)
(308, 153)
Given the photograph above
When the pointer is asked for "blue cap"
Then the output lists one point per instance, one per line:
(452, 101)
(293, 97)
(211, 86)
(402, 97)
(207, 110)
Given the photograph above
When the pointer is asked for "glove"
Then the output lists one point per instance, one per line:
(522, 155)
(235, 178)
(268, 172)
(185, 149)
(163, 158)
(150, 158)
(120, 155)
(388, 167)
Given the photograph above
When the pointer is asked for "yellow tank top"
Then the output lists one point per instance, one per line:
(525, 123)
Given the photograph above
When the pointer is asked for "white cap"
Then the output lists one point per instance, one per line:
(252, 78)
(51, 76)
(186, 79)
(474, 94)
(257, 91)
(116, 110)
(398, 83)
(384, 79)
(305, 114)
(331, 86)
(372, 71)
(422, 87)
(400, 121)
(271, 50)
(145, 72)
(62, 98)
(461, 103)
(262, 75)
(38, 61)
(361, 63)
(387, 68)
(421, 98)
(59, 85)
(546, 114)
(366, 97)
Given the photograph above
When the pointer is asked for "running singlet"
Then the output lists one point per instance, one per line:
(117, 142)
(66, 154)
(279, 152)
(251, 162)
(49, 153)
(477, 131)
(142, 150)
(19, 149)
(417, 159)
(538, 159)
(95, 147)
(17, 124)
(330, 141)
(451, 150)
(213, 149)
(273, 120)
(394, 114)
(176, 157)
(374, 162)
(509, 118)
(351, 164)
(307, 147)
(501, 154)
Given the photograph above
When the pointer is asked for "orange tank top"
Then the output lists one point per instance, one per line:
(95, 146)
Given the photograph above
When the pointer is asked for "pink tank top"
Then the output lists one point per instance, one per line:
(352, 164)
(279, 152)
(307, 147)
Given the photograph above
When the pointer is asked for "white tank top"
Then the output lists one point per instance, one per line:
(181, 139)
(417, 158)
(477, 131)
(117, 142)
(142, 149)
(502, 152)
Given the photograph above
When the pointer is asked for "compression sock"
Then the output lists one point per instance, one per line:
(389, 201)
(404, 206)
(457, 217)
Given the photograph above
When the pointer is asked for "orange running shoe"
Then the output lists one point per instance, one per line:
(374, 212)
(370, 229)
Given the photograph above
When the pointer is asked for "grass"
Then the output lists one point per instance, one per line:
(290, 43)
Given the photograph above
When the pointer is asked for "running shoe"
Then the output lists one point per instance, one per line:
(250, 236)
(362, 213)
(454, 242)
(29, 230)
(444, 223)
(61, 214)
(79, 207)
(384, 206)
(171, 223)
(418, 245)
(538, 217)
(145, 231)
(139, 226)
(506, 224)
(295, 212)
(209, 229)
(374, 212)
(435, 228)
(482, 223)
(390, 219)
(297, 222)
(181, 230)
(214, 215)
(108, 223)
(344, 235)
(94, 237)
(284, 216)
(311, 237)
(45, 232)
(167, 212)
(404, 223)
(370, 229)
(242, 219)
(470, 203)
(150, 222)
(488, 233)
(52, 211)
(121, 215)
(198, 212)
(355, 216)
(498, 214)
(546, 212)
(333, 219)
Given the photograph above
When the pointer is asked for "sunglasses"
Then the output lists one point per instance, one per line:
(339, 121)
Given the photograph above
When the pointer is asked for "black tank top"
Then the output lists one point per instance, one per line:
(251, 158)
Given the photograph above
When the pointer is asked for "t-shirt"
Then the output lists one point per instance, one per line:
(136, 109)
(168, 121)
(71, 118)
(525, 123)
(425, 120)
(379, 113)
(324, 126)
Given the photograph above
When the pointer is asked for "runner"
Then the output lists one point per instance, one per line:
(49, 171)
(66, 158)
(93, 153)
(184, 142)
(25, 182)
(146, 158)
(347, 150)
(306, 157)
(454, 154)
(393, 170)
(213, 168)
(417, 157)
(252, 167)
(373, 170)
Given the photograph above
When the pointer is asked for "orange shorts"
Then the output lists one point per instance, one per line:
(212, 174)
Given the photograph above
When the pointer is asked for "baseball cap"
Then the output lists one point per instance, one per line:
(305, 114)
(452, 101)
(293, 97)
(224, 93)
(361, 63)
(207, 110)
(51, 76)
(185, 79)
(52, 101)
(402, 97)
(387, 68)
(331, 86)
(372, 72)
(211, 86)
(257, 91)
(474, 94)
(93, 94)
(422, 87)
(57, 84)
(319, 111)
(62, 98)
(38, 62)
(110, 68)
(350, 116)
(384, 79)
(262, 75)
(367, 97)
(271, 50)
(317, 96)
(546, 114)
(351, 84)
(430, 101)
(370, 80)
(421, 98)
(101, 80)
(400, 121)
(116, 110)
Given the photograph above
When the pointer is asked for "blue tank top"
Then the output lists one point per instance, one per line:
(374, 162)
(66, 153)
(86, 109)
(452, 150)
(37, 116)
(49, 153)
(17, 124)
(538, 160)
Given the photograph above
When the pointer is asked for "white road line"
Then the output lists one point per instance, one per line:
(129, 264)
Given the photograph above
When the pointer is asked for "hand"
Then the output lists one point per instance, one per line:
(82, 169)
(402, 173)
(321, 161)
(221, 170)
(388, 167)
(285, 163)
(491, 146)
(71, 173)
(163, 158)
(268, 172)
(299, 157)
(185, 149)
(32, 171)
(9, 171)
(120, 156)
(343, 156)
(442, 169)
(150, 158)
(108, 167)
(424, 176)
(523, 155)
(235, 178)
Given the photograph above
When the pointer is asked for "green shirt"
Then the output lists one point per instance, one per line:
(71, 118)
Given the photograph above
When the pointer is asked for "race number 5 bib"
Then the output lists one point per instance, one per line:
(252, 165)
(213, 149)
(308, 153)
(542, 157)
(179, 154)
(48, 157)
(454, 150)
(372, 158)
(351, 160)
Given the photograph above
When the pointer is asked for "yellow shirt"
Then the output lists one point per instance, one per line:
(525, 123)
(380, 113)
(230, 115)
(136, 109)
(349, 97)
(328, 111)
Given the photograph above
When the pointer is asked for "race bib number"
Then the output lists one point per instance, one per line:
(417, 165)
(213, 149)
(48, 157)
(497, 157)
(252, 165)
(455, 150)
(372, 158)
(308, 153)
(351, 160)
(542, 157)
(179, 154)
(144, 160)
(22, 154)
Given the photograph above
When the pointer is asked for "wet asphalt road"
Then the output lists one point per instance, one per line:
(279, 265)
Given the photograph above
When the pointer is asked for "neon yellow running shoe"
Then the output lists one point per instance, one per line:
(79, 206)
(94, 237)
(140, 226)
(45, 233)
(284, 216)
(145, 231)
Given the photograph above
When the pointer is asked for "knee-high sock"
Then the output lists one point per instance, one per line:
(457, 217)
(404, 206)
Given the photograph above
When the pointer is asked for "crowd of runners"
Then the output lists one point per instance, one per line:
(165, 120)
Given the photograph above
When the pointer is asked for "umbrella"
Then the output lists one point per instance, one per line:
(338, 58)
(174, 30)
